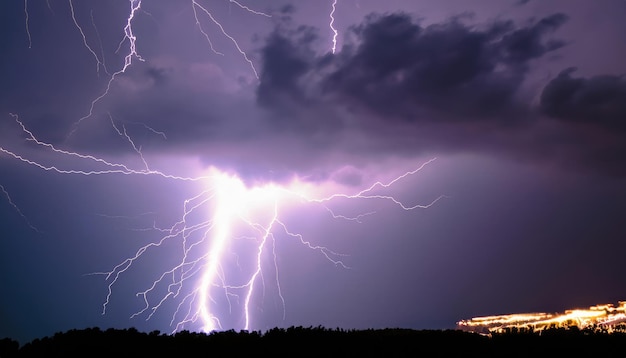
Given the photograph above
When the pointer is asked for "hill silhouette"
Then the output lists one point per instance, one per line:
(321, 342)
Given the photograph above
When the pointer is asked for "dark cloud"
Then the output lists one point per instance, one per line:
(286, 60)
(397, 68)
(598, 100)
(448, 87)
(525, 44)
(395, 88)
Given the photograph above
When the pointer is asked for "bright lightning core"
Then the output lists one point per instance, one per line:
(223, 244)
(255, 211)
(227, 237)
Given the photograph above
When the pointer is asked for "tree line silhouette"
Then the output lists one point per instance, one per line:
(323, 342)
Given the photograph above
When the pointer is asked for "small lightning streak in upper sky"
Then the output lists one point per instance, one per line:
(332, 25)
(204, 33)
(135, 5)
(129, 35)
(17, 209)
(194, 4)
(30, 42)
(249, 9)
(82, 33)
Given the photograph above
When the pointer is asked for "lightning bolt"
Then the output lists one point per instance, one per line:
(204, 33)
(93, 23)
(194, 4)
(30, 41)
(82, 33)
(147, 127)
(135, 6)
(332, 25)
(255, 12)
(129, 35)
(226, 233)
(212, 224)
(17, 209)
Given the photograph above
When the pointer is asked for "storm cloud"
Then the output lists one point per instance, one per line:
(598, 101)
(395, 87)
(449, 86)
(399, 69)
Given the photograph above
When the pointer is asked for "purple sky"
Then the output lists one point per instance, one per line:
(523, 104)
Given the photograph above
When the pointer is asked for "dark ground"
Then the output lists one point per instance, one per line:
(321, 342)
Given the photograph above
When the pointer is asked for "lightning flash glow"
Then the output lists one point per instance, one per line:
(224, 236)
(225, 257)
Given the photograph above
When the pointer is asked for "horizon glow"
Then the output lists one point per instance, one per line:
(604, 315)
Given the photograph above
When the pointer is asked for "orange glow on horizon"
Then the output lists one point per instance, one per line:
(605, 316)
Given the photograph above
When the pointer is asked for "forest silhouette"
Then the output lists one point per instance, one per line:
(323, 342)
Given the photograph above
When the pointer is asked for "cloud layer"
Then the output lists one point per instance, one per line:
(396, 88)
(449, 87)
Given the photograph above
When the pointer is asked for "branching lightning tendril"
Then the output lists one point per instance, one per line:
(135, 6)
(223, 215)
(255, 12)
(218, 24)
(30, 41)
(82, 33)
(17, 209)
(332, 26)
(200, 278)
(129, 35)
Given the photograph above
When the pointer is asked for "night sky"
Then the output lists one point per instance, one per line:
(522, 103)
